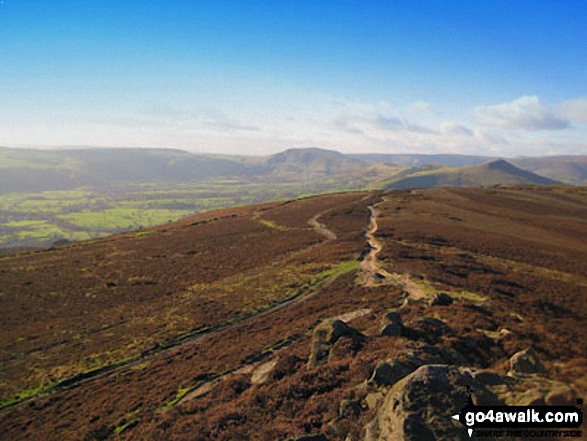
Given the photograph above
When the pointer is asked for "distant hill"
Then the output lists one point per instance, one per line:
(294, 164)
(491, 173)
(417, 160)
(568, 169)
(28, 170)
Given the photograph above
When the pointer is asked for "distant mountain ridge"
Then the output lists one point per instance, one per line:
(28, 170)
(490, 173)
(570, 169)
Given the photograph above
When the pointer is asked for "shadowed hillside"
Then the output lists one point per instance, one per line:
(498, 172)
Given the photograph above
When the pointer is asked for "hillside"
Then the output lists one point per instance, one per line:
(271, 321)
(568, 169)
(27, 170)
(498, 172)
(311, 162)
(418, 160)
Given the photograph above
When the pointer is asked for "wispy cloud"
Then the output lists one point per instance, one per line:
(167, 117)
(396, 124)
(456, 129)
(526, 112)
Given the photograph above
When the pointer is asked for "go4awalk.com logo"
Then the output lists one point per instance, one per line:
(521, 421)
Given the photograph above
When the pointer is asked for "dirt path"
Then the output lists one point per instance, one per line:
(321, 228)
(372, 274)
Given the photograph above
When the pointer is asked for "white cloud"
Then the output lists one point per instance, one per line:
(454, 129)
(396, 124)
(575, 110)
(489, 138)
(526, 112)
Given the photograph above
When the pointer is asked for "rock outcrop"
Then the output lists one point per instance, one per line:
(420, 406)
(526, 362)
(392, 325)
(325, 335)
(387, 373)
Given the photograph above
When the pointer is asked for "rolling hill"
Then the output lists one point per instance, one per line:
(27, 170)
(567, 169)
(498, 172)
(418, 160)
(304, 318)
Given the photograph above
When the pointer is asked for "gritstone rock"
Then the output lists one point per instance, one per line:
(325, 335)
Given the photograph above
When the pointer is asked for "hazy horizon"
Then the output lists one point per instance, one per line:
(412, 153)
(485, 78)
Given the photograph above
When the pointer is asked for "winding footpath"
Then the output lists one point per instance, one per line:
(373, 275)
(321, 228)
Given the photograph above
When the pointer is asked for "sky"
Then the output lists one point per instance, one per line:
(500, 78)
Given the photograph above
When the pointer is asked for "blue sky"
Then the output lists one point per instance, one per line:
(253, 77)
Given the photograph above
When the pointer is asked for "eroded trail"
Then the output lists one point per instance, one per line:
(321, 228)
(373, 274)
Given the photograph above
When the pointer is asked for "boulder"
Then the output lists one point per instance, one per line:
(387, 373)
(428, 354)
(428, 329)
(264, 371)
(538, 391)
(329, 331)
(325, 335)
(373, 400)
(392, 325)
(441, 299)
(420, 406)
(526, 362)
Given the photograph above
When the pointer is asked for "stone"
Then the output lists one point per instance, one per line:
(329, 331)
(373, 400)
(263, 372)
(441, 299)
(387, 373)
(428, 354)
(392, 325)
(325, 335)
(419, 407)
(561, 395)
(526, 362)
(428, 329)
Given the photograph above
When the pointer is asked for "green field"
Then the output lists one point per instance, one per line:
(43, 218)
